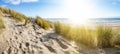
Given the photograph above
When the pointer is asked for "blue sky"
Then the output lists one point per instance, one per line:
(65, 8)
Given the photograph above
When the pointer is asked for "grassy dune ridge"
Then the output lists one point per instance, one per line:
(14, 14)
(102, 36)
(22, 18)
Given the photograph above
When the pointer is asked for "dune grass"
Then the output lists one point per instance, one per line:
(13, 14)
(22, 18)
(43, 23)
(63, 30)
(105, 35)
(27, 20)
(78, 34)
(1, 23)
(102, 36)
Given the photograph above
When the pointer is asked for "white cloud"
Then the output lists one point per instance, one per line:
(16, 2)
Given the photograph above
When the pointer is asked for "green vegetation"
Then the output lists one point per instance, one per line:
(20, 18)
(102, 36)
(15, 15)
(39, 21)
(78, 34)
(115, 40)
(27, 20)
(42, 23)
(105, 35)
(1, 23)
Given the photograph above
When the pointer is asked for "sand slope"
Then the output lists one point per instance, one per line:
(31, 39)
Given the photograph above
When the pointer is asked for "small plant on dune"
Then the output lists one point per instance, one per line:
(39, 21)
(105, 35)
(26, 21)
(46, 25)
(1, 23)
(42, 23)
(57, 27)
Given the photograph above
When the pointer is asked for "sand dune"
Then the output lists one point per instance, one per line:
(31, 39)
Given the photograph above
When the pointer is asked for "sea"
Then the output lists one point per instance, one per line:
(115, 22)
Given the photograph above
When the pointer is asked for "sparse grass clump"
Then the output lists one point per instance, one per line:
(85, 36)
(1, 23)
(62, 29)
(116, 38)
(57, 27)
(39, 21)
(105, 35)
(42, 23)
(27, 20)
(46, 25)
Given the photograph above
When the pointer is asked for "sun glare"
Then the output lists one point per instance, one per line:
(79, 8)
(79, 11)
(78, 21)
